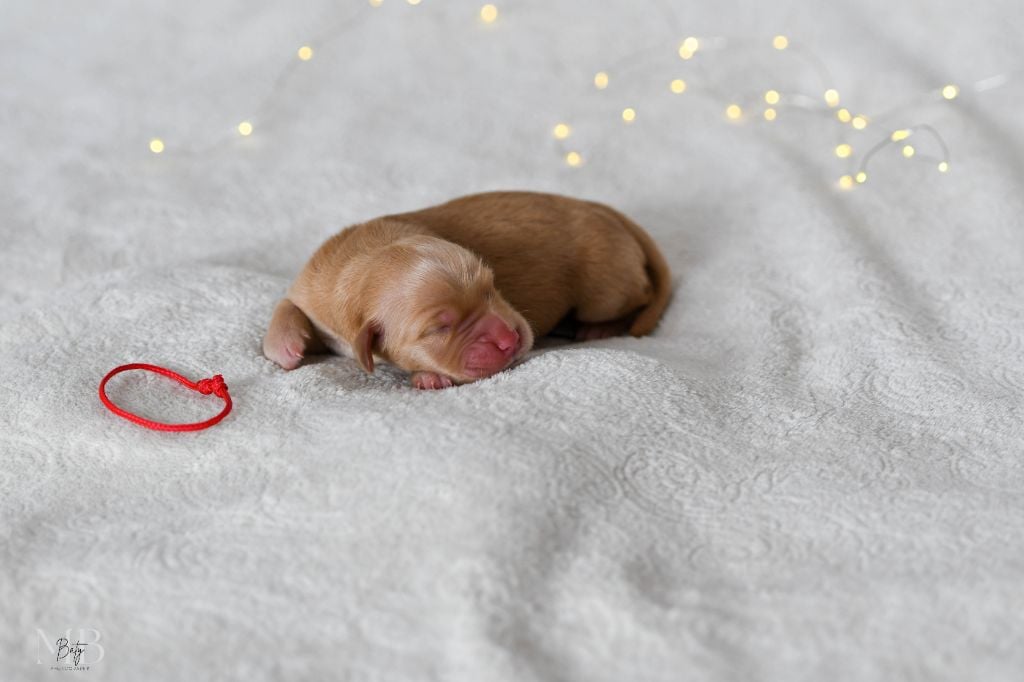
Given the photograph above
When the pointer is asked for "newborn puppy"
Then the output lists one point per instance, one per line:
(458, 292)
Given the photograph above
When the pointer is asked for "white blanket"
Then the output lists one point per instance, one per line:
(814, 470)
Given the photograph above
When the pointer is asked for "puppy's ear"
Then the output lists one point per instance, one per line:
(362, 346)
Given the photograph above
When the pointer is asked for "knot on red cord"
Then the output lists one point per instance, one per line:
(214, 385)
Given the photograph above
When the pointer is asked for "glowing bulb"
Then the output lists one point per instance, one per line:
(780, 42)
(488, 13)
(950, 91)
(733, 112)
(413, 2)
(245, 128)
(861, 177)
(844, 115)
(305, 53)
(771, 97)
(573, 159)
(376, 3)
(628, 114)
(689, 48)
(908, 151)
(678, 86)
(844, 150)
(156, 145)
(898, 135)
(860, 122)
(600, 80)
(846, 182)
(943, 166)
(562, 131)
(831, 97)
(769, 114)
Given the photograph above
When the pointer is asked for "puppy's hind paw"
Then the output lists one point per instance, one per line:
(431, 381)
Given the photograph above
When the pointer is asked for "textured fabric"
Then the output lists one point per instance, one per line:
(813, 470)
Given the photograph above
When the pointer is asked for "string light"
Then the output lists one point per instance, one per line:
(846, 182)
(950, 91)
(156, 145)
(488, 13)
(573, 159)
(628, 114)
(677, 86)
(600, 80)
(561, 131)
(908, 150)
(898, 135)
(245, 128)
(832, 97)
(376, 3)
(859, 122)
(943, 166)
(771, 97)
(844, 115)
(780, 42)
(843, 151)
(413, 2)
(861, 177)
(733, 112)
(769, 114)
(305, 53)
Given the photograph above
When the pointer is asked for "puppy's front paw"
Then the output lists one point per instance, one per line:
(431, 381)
(287, 348)
(592, 331)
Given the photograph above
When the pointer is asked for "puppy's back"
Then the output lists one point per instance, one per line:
(544, 247)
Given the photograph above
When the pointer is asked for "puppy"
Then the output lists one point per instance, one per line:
(458, 292)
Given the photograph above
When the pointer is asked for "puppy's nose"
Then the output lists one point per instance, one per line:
(495, 330)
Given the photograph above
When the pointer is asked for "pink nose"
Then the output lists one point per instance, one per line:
(492, 328)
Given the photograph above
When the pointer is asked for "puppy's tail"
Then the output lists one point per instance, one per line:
(657, 271)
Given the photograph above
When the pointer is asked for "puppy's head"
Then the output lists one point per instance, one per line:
(436, 309)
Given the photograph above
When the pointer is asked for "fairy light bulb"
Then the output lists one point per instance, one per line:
(245, 128)
(950, 91)
(561, 131)
(488, 13)
(376, 3)
(859, 122)
(908, 151)
(688, 48)
(898, 135)
(832, 97)
(771, 97)
(156, 145)
(573, 159)
(844, 115)
(846, 182)
(733, 112)
(843, 151)
(780, 42)
(677, 86)
(769, 114)
(861, 177)
(943, 166)
(600, 80)
(413, 2)
(629, 114)
(305, 53)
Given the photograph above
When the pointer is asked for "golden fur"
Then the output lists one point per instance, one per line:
(428, 289)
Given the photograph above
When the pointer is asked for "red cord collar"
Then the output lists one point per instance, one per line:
(214, 385)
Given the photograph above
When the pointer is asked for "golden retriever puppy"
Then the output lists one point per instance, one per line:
(458, 292)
